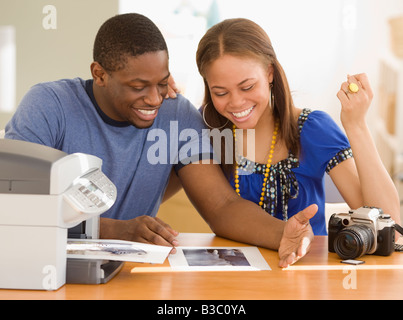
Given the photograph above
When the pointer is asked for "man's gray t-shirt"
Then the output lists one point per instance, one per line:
(64, 115)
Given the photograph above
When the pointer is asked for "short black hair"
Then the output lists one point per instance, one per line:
(126, 35)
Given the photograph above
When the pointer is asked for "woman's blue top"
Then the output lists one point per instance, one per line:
(295, 183)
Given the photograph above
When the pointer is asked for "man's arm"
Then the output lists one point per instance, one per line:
(227, 214)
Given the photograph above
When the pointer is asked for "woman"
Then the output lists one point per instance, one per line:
(246, 88)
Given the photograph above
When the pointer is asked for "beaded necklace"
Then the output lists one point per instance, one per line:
(269, 160)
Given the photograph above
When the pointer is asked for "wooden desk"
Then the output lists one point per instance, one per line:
(319, 275)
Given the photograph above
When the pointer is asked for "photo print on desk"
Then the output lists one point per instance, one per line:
(215, 257)
(218, 259)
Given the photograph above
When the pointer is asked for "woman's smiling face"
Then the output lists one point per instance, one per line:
(240, 89)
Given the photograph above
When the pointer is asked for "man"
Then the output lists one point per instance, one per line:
(120, 116)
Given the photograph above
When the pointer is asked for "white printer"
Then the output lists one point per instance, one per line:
(43, 193)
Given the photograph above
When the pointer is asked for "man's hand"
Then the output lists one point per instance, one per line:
(144, 229)
(297, 237)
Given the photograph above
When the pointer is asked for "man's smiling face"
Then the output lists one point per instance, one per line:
(135, 93)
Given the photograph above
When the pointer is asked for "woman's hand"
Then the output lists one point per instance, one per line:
(354, 106)
(172, 88)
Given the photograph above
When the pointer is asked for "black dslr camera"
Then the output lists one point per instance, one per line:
(366, 230)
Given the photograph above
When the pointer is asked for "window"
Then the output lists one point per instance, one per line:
(7, 68)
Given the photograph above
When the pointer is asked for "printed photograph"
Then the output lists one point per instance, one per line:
(215, 257)
(102, 248)
(218, 259)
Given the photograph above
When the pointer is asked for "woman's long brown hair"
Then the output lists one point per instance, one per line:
(244, 38)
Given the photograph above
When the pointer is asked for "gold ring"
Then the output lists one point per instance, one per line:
(353, 88)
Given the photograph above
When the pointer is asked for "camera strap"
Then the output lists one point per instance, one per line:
(398, 228)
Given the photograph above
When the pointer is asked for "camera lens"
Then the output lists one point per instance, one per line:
(353, 242)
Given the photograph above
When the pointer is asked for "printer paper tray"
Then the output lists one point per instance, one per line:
(83, 271)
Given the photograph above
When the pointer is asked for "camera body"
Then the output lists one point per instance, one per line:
(366, 230)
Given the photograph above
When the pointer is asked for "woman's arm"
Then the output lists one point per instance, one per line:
(364, 179)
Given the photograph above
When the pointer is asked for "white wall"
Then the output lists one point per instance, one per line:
(64, 52)
(317, 42)
(320, 42)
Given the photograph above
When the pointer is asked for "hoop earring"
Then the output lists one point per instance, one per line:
(204, 119)
(271, 96)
